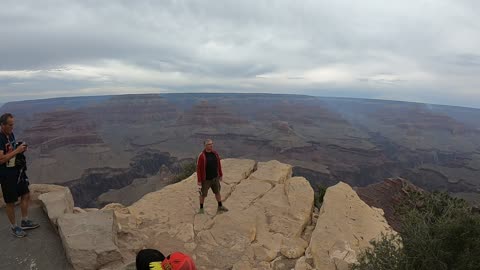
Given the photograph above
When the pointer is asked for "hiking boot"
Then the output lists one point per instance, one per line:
(222, 209)
(28, 225)
(18, 232)
(201, 211)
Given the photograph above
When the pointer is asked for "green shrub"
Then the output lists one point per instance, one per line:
(438, 232)
(319, 194)
(385, 253)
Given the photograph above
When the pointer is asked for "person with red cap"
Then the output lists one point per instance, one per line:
(152, 259)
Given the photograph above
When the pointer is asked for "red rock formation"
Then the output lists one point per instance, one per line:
(134, 109)
(209, 114)
(61, 128)
(304, 113)
(419, 118)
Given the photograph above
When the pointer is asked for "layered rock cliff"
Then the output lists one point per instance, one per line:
(327, 139)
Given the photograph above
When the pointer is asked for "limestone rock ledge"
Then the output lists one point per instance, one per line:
(271, 224)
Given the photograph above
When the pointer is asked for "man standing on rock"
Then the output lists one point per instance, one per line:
(13, 183)
(209, 175)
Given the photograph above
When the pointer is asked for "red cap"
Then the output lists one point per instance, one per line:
(179, 261)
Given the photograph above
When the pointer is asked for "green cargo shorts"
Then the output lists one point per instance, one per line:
(214, 184)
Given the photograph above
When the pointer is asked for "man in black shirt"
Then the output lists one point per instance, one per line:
(13, 183)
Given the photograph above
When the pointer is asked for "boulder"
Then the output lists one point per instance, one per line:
(38, 189)
(57, 204)
(345, 226)
(90, 239)
(293, 248)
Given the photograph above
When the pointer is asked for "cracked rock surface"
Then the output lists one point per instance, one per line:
(269, 225)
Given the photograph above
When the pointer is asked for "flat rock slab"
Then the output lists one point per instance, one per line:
(41, 249)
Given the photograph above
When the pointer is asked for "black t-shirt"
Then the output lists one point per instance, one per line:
(212, 165)
(7, 145)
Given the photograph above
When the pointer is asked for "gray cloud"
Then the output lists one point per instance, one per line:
(423, 51)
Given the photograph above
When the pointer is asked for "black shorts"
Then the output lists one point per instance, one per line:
(11, 189)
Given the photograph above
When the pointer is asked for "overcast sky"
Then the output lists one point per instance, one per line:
(413, 50)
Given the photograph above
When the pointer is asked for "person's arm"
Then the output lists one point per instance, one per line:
(6, 157)
(200, 168)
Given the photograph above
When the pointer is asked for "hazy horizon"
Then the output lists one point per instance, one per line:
(227, 93)
(414, 51)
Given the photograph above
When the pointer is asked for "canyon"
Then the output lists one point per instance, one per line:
(105, 145)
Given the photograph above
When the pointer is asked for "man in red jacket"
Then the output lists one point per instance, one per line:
(209, 175)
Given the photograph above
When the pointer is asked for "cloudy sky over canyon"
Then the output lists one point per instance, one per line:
(422, 50)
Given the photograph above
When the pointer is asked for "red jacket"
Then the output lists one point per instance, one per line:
(202, 165)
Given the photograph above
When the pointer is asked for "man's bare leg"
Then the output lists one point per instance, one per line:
(27, 223)
(24, 205)
(10, 209)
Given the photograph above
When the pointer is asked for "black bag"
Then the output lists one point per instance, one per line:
(21, 161)
(21, 165)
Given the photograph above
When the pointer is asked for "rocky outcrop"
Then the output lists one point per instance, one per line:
(269, 210)
(90, 239)
(271, 225)
(57, 204)
(345, 226)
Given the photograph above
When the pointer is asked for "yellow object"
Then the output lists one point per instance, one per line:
(155, 266)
